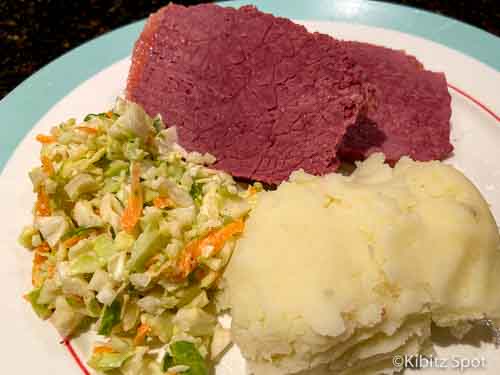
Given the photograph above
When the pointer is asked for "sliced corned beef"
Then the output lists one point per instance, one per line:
(412, 112)
(266, 97)
(261, 93)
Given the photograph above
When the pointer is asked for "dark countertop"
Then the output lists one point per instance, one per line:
(34, 32)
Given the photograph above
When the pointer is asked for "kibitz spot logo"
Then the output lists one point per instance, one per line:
(458, 363)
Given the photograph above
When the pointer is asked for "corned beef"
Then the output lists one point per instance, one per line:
(412, 112)
(266, 97)
(261, 93)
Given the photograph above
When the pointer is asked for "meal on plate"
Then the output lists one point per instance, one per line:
(214, 187)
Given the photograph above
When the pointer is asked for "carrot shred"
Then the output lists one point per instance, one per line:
(43, 248)
(102, 349)
(38, 260)
(163, 202)
(109, 114)
(42, 205)
(142, 331)
(45, 139)
(188, 260)
(251, 191)
(73, 241)
(87, 129)
(133, 211)
(47, 166)
(51, 270)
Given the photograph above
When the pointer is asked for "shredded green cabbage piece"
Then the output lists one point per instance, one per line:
(110, 318)
(185, 353)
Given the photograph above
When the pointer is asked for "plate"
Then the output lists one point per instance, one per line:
(89, 78)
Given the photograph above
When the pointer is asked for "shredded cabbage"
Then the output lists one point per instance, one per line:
(122, 237)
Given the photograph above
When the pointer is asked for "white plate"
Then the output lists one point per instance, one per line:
(28, 345)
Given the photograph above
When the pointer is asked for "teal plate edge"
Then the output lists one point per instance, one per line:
(26, 104)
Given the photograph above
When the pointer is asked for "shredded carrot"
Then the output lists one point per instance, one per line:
(51, 270)
(43, 248)
(109, 114)
(36, 281)
(87, 129)
(39, 258)
(47, 166)
(188, 260)
(42, 206)
(142, 331)
(45, 139)
(102, 349)
(73, 241)
(163, 202)
(251, 191)
(133, 211)
(36, 278)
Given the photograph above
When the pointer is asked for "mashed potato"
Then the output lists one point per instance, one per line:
(338, 274)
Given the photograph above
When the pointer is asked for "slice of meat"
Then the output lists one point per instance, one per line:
(142, 49)
(260, 93)
(412, 111)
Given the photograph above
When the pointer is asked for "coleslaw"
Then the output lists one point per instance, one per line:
(130, 235)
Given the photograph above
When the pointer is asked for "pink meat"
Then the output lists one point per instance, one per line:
(412, 112)
(266, 97)
(260, 93)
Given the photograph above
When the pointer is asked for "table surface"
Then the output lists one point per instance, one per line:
(34, 32)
